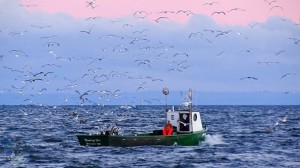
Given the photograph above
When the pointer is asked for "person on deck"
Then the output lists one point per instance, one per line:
(168, 129)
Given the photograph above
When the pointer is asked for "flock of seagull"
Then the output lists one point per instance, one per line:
(272, 128)
(30, 78)
(151, 55)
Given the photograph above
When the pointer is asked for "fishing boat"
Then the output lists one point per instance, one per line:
(187, 131)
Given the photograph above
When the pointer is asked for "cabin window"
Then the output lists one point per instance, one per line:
(184, 116)
(195, 117)
(172, 117)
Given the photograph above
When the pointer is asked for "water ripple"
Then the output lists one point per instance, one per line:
(37, 136)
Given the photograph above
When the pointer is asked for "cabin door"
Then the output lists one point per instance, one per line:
(184, 122)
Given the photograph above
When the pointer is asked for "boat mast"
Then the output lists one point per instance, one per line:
(190, 95)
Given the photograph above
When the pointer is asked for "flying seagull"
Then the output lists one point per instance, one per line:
(220, 12)
(88, 32)
(279, 52)
(273, 7)
(286, 75)
(160, 18)
(249, 77)
(210, 3)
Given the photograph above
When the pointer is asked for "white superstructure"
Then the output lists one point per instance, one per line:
(185, 120)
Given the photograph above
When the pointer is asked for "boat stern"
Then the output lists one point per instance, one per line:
(93, 140)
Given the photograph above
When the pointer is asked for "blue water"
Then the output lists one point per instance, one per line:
(44, 136)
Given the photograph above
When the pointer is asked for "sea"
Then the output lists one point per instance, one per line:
(236, 136)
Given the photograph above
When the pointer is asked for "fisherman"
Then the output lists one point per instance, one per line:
(168, 129)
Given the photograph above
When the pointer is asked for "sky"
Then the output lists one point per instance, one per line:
(105, 52)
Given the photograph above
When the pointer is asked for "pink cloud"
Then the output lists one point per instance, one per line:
(254, 10)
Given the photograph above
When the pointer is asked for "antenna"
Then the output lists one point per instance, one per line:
(166, 92)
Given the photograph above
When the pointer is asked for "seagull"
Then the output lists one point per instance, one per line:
(50, 65)
(144, 62)
(44, 89)
(220, 53)
(157, 79)
(120, 48)
(247, 50)
(210, 3)
(220, 12)
(283, 119)
(114, 93)
(48, 37)
(271, 129)
(93, 17)
(267, 62)
(273, 7)
(286, 75)
(88, 32)
(195, 34)
(223, 33)
(96, 59)
(1, 57)
(211, 31)
(279, 52)
(174, 69)
(13, 70)
(180, 63)
(83, 94)
(46, 73)
(33, 80)
(160, 18)
(51, 44)
(287, 92)
(236, 9)
(141, 14)
(249, 77)
(127, 25)
(179, 54)
(18, 33)
(166, 12)
(18, 53)
(140, 32)
(39, 73)
(40, 27)
(19, 89)
(141, 86)
(253, 25)
(91, 4)
(297, 41)
(270, 2)
(153, 79)
(143, 100)
(187, 12)
(27, 5)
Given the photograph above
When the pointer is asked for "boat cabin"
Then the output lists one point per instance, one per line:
(185, 120)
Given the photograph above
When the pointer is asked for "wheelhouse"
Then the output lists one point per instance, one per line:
(185, 120)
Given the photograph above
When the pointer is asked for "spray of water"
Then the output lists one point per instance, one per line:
(214, 139)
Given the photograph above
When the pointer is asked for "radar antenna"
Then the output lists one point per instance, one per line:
(166, 92)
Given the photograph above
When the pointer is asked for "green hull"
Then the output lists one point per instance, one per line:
(188, 139)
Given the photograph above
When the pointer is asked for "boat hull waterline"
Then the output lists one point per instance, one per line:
(188, 139)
